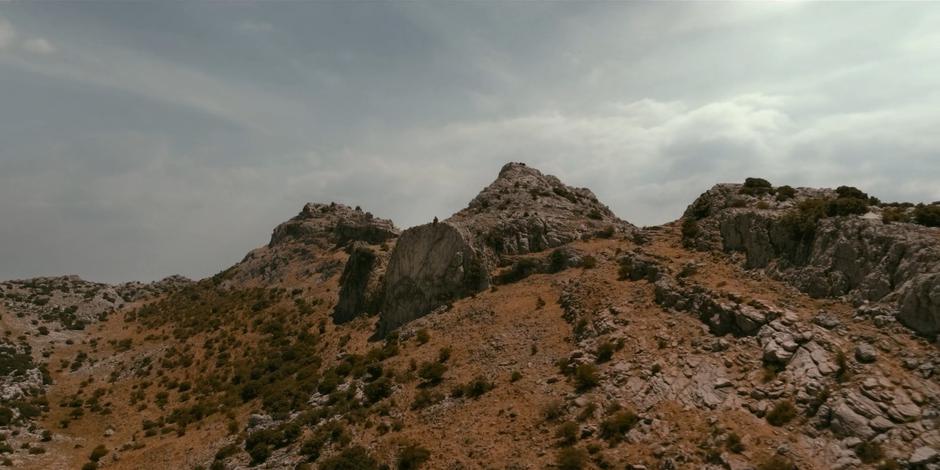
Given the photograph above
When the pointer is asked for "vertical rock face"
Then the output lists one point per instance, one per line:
(360, 283)
(431, 265)
(522, 211)
(858, 256)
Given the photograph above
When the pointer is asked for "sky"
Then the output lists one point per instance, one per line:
(144, 139)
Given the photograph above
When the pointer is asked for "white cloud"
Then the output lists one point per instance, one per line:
(7, 33)
(39, 46)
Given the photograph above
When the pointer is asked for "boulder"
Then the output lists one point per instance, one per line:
(431, 265)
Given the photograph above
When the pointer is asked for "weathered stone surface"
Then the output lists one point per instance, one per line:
(431, 265)
(923, 456)
(866, 353)
(850, 255)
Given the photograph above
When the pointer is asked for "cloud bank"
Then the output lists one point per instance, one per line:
(140, 140)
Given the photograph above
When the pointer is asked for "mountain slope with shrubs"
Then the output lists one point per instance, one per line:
(768, 328)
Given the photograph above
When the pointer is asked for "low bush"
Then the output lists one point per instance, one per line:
(756, 187)
(927, 215)
(616, 426)
(411, 457)
(571, 458)
(605, 351)
(567, 433)
(353, 458)
(586, 377)
(785, 193)
(781, 413)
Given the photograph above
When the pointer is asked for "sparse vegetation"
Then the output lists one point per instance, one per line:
(616, 426)
(781, 413)
(776, 462)
(586, 377)
(928, 215)
(756, 187)
(571, 458)
(412, 457)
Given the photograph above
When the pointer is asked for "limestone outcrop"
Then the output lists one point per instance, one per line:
(859, 256)
(522, 211)
(299, 250)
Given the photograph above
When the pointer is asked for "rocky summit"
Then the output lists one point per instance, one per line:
(769, 327)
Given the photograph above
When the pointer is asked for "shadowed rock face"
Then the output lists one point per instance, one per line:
(431, 265)
(897, 264)
(360, 284)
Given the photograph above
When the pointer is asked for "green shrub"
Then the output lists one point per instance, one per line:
(801, 221)
(423, 336)
(553, 410)
(353, 458)
(785, 193)
(586, 377)
(843, 206)
(571, 458)
(690, 229)
(378, 389)
(851, 192)
(515, 376)
(781, 413)
(432, 373)
(756, 186)
(567, 433)
(733, 443)
(605, 351)
(412, 456)
(927, 215)
(425, 398)
(473, 389)
(894, 214)
(520, 270)
(615, 427)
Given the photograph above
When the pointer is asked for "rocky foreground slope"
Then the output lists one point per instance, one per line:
(769, 328)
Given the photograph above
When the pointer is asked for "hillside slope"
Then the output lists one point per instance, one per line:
(534, 329)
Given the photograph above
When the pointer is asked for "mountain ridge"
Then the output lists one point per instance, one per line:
(531, 329)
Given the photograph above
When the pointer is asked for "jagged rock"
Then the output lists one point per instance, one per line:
(361, 283)
(858, 256)
(638, 266)
(432, 264)
(846, 422)
(923, 456)
(522, 211)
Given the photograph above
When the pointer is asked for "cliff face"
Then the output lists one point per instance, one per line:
(893, 265)
(522, 211)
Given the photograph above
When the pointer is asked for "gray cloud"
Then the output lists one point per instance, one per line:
(141, 140)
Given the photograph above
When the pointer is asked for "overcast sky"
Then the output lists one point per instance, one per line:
(139, 140)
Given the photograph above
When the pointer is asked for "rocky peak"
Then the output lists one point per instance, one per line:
(522, 211)
(827, 243)
(336, 223)
(525, 211)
